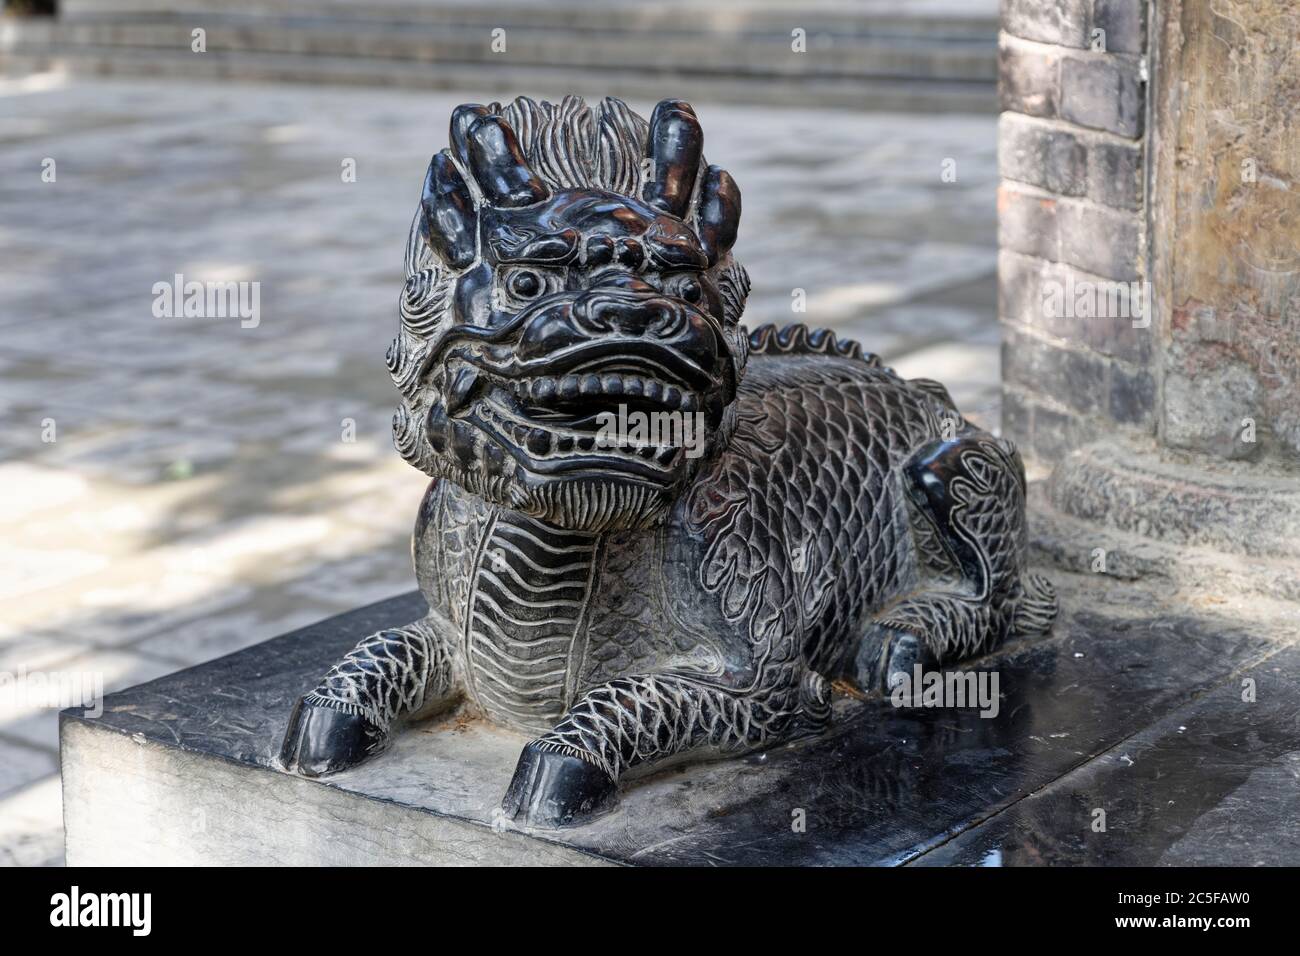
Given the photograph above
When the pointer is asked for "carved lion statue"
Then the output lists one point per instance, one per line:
(651, 532)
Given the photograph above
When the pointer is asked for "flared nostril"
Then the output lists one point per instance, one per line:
(630, 253)
(668, 323)
(604, 315)
(591, 317)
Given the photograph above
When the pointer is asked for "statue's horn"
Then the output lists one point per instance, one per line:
(449, 213)
(462, 118)
(498, 165)
(718, 216)
(675, 144)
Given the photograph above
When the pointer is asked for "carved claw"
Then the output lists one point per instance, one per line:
(555, 789)
(321, 740)
(886, 655)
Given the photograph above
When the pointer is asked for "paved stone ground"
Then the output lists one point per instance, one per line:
(199, 495)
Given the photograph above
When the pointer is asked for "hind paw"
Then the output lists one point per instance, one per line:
(887, 656)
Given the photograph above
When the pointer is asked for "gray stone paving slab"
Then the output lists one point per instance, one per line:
(21, 763)
(31, 826)
(34, 722)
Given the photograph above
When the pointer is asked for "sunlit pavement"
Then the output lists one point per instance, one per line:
(175, 489)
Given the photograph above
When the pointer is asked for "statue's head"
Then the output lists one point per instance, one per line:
(570, 343)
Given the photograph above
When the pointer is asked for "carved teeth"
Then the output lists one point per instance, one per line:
(539, 442)
(545, 389)
(550, 441)
(462, 385)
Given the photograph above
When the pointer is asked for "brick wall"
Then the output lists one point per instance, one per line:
(1071, 218)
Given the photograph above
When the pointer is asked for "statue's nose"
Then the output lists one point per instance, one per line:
(630, 307)
(624, 314)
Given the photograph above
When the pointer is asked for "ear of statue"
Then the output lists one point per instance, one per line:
(498, 165)
(718, 215)
(462, 118)
(675, 144)
(449, 214)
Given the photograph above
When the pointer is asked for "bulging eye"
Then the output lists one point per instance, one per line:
(686, 287)
(524, 284)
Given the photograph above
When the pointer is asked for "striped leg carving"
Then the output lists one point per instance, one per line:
(396, 674)
(570, 773)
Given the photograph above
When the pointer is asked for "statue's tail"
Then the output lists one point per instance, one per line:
(1037, 607)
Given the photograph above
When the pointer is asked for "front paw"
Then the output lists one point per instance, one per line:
(322, 739)
(887, 656)
(555, 789)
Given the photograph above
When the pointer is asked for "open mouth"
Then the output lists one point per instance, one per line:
(625, 417)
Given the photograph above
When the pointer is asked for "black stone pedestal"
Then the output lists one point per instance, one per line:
(1126, 707)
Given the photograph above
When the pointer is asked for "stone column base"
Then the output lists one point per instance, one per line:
(1208, 524)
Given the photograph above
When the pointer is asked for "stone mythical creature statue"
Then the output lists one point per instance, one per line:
(650, 532)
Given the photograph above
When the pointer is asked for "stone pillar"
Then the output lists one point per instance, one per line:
(1149, 276)
(1225, 208)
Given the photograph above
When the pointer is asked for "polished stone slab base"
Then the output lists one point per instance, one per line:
(181, 770)
(1216, 783)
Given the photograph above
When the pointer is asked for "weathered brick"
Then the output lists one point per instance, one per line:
(1124, 23)
(1018, 360)
(1117, 337)
(1057, 433)
(1102, 92)
(1102, 241)
(1055, 303)
(1075, 379)
(1029, 79)
(1042, 430)
(1045, 296)
(1063, 22)
(1111, 331)
(1019, 282)
(1017, 416)
(1025, 285)
(1115, 173)
(1041, 155)
(1089, 309)
(1132, 399)
(1082, 380)
(1027, 223)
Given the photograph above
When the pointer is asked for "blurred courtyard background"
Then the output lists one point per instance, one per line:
(174, 489)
